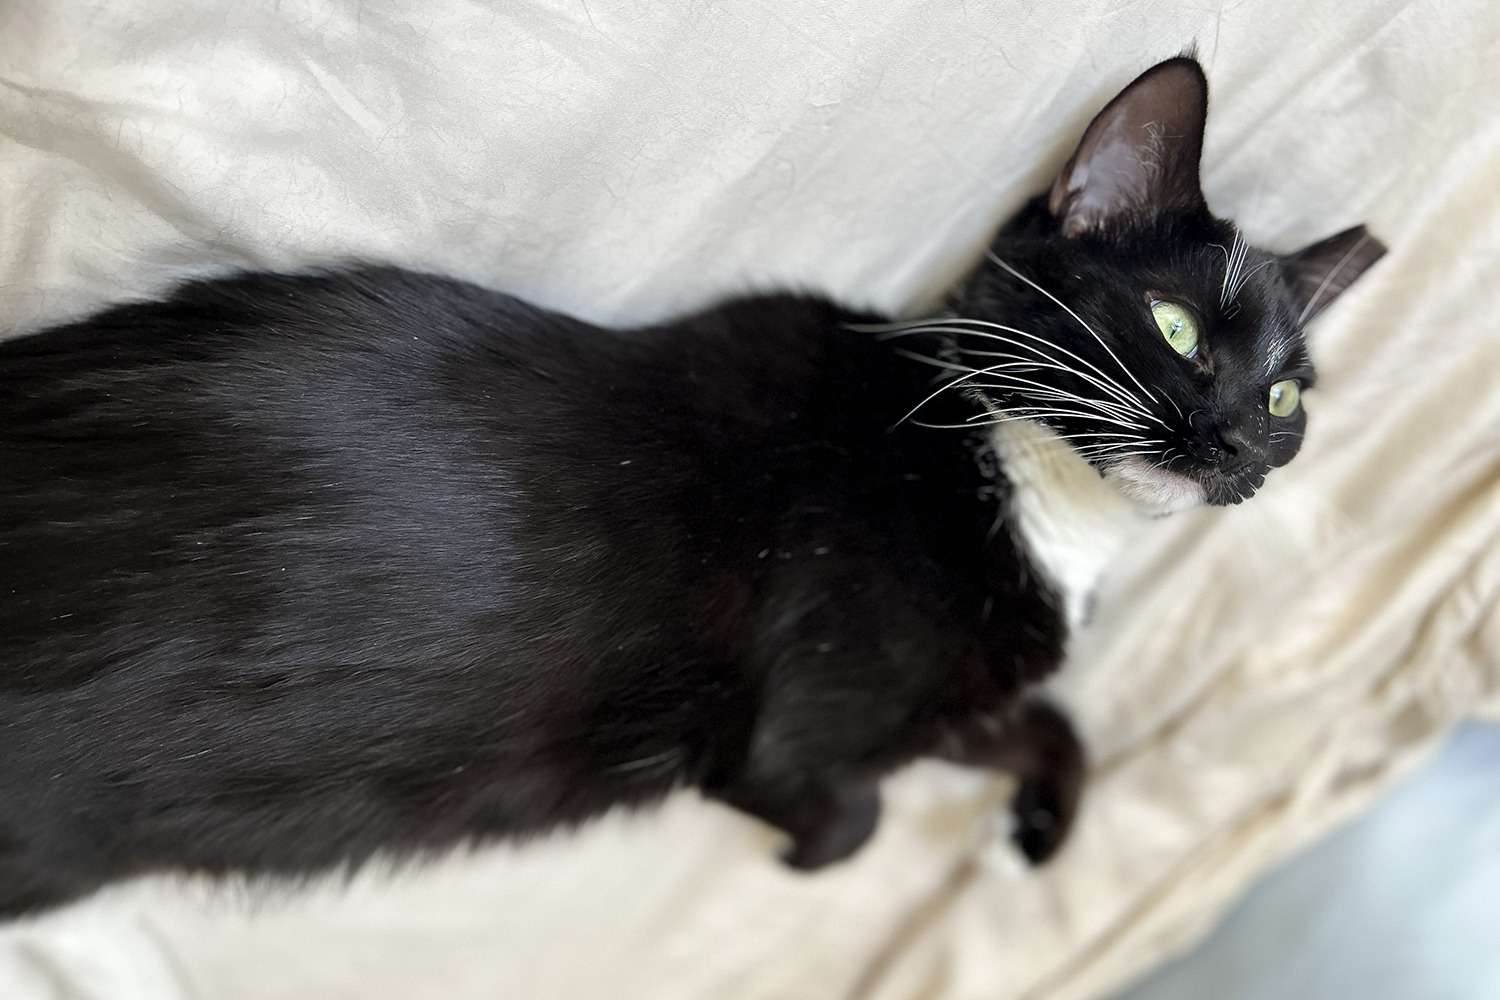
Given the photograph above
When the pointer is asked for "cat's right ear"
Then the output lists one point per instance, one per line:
(1317, 274)
(1139, 156)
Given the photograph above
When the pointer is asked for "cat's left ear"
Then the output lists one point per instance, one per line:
(1139, 156)
(1318, 273)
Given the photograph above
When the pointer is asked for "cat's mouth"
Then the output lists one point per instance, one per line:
(1162, 491)
(1224, 489)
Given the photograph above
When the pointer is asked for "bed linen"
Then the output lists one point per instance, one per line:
(1255, 674)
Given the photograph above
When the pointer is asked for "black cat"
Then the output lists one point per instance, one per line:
(299, 568)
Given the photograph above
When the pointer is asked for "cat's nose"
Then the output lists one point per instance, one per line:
(1210, 442)
(1220, 442)
(1247, 442)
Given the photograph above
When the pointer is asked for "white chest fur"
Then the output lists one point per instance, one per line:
(1070, 521)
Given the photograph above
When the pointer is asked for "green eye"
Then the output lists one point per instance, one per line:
(1284, 398)
(1178, 326)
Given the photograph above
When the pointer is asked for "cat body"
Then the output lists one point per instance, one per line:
(300, 568)
(352, 590)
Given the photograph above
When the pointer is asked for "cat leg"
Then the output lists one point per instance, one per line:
(1037, 744)
(827, 819)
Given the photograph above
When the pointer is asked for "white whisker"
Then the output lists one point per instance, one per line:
(1224, 286)
(1239, 286)
(1097, 434)
(1017, 274)
(1125, 402)
(1231, 265)
(1003, 372)
(1056, 396)
(1119, 455)
(1121, 445)
(1108, 385)
(1047, 411)
(937, 362)
(942, 389)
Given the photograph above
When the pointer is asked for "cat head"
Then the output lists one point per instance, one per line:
(1144, 331)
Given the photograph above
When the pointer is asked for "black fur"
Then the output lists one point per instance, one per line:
(300, 568)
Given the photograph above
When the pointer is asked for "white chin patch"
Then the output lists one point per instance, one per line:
(1157, 490)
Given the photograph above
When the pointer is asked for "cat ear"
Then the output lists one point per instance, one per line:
(1318, 273)
(1139, 156)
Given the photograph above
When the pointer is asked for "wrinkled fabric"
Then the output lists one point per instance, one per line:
(1255, 674)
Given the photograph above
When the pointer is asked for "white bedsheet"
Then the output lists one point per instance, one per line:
(1256, 673)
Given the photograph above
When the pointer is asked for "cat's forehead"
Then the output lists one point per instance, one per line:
(1258, 314)
(1236, 288)
(1253, 317)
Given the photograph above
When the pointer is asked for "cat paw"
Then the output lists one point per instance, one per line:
(1042, 817)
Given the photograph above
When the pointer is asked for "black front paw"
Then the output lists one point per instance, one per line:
(1037, 744)
(1043, 814)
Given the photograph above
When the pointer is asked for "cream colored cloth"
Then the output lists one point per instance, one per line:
(1256, 673)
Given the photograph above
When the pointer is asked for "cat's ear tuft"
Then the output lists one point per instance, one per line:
(1318, 273)
(1139, 156)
